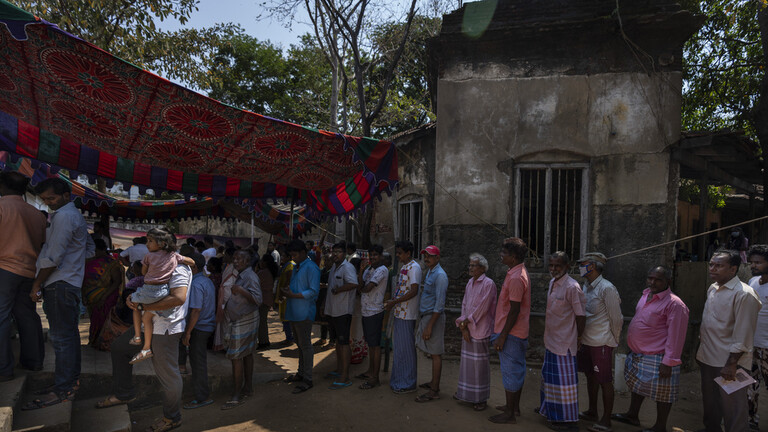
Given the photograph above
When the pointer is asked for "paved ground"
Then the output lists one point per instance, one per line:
(274, 408)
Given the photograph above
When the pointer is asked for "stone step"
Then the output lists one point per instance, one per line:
(87, 418)
(55, 418)
(10, 394)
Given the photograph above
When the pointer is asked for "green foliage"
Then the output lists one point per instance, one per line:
(689, 192)
(127, 29)
(724, 66)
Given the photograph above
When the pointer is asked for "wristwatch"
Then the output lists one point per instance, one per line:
(139, 306)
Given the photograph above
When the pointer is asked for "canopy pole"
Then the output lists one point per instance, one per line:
(290, 225)
(251, 227)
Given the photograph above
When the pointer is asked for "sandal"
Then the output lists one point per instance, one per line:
(597, 427)
(163, 424)
(368, 385)
(624, 418)
(136, 340)
(301, 388)
(426, 385)
(588, 416)
(112, 400)
(480, 406)
(428, 396)
(52, 399)
(233, 403)
(502, 418)
(141, 356)
(52, 389)
(292, 378)
(363, 376)
(197, 404)
(339, 385)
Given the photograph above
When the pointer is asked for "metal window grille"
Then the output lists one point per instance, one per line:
(410, 223)
(551, 209)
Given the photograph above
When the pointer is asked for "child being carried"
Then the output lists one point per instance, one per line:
(157, 266)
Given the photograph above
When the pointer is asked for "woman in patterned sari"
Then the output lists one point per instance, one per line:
(102, 283)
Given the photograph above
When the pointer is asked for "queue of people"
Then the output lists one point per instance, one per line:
(176, 309)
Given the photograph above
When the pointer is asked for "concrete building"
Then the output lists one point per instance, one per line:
(555, 121)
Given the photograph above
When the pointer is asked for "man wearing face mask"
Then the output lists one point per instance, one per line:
(601, 336)
(563, 327)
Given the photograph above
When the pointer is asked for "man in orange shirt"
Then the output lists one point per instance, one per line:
(510, 331)
(22, 228)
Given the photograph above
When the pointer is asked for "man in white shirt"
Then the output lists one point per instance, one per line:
(135, 252)
(373, 286)
(405, 302)
(601, 336)
(339, 306)
(210, 250)
(166, 335)
(726, 334)
(758, 262)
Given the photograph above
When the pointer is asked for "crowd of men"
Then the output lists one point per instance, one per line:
(43, 260)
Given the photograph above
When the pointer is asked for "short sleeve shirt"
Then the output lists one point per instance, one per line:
(372, 302)
(175, 322)
(516, 288)
(202, 295)
(342, 303)
(565, 301)
(410, 274)
(761, 331)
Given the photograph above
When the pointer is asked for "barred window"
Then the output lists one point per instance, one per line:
(410, 223)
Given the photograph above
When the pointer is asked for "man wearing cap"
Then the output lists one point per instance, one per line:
(430, 327)
(22, 228)
(600, 337)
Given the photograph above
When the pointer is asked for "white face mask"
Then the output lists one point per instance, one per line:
(583, 270)
(735, 234)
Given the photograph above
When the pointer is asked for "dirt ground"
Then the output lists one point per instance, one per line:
(274, 408)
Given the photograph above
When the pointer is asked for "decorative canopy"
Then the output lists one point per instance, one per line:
(268, 218)
(68, 103)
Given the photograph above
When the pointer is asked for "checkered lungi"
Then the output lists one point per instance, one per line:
(474, 371)
(240, 336)
(559, 388)
(642, 374)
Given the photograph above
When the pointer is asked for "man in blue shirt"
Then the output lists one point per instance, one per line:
(60, 271)
(300, 311)
(201, 322)
(430, 327)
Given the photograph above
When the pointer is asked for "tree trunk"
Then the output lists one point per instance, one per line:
(760, 120)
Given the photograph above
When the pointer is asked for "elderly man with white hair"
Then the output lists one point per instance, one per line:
(476, 324)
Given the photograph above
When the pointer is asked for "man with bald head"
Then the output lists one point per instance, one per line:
(22, 228)
(655, 337)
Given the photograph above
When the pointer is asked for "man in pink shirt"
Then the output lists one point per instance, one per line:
(563, 326)
(655, 337)
(510, 331)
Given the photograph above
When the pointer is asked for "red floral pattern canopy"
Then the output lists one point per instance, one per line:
(68, 103)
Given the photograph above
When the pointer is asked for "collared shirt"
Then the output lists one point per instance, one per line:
(22, 228)
(135, 252)
(604, 319)
(433, 291)
(565, 302)
(659, 326)
(343, 302)
(516, 288)
(721, 332)
(761, 330)
(176, 322)
(478, 306)
(305, 281)
(372, 302)
(202, 295)
(249, 280)
(67, 245)
(410, 274)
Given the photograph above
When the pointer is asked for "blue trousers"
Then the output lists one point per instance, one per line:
(61, 303)
(15, 302)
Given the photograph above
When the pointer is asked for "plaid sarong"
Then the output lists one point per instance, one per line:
(474, 371)
(641, 371)
(240, 336)
(559, 388)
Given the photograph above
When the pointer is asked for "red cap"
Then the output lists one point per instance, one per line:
(432, 250)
